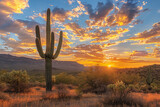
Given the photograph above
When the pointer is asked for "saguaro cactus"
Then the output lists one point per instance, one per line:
(49, 55)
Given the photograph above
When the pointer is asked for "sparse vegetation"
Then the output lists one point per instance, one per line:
(95, 83)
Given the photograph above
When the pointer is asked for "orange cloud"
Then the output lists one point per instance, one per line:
(13, 6)
(139, 53)
(155, 31)
(151, 36)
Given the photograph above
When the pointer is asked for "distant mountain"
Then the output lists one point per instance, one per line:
(10, 62)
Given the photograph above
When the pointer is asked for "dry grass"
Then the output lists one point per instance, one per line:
(37, 97)
(20, 98)
(4, 97)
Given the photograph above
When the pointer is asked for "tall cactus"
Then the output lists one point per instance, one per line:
(49, 55)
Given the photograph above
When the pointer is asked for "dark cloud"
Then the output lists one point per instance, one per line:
(29, 24)
(100, 12)
(60, 14)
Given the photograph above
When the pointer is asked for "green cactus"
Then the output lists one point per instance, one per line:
(149, 78)
(49, 55)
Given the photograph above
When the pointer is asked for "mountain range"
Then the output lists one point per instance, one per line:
(9, 62)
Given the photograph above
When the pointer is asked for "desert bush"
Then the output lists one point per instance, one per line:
(4, 96)
(62, 91)
(64, 78)
(94, 80)
(129, 78)
(119, 95)
(17, 80)
(3, 86)
(119, 89)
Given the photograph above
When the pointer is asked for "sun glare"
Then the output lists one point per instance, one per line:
(109, 66)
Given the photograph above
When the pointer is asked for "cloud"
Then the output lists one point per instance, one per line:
(13, 6)
(126, 13)
(14, 47)
(90, 51)
(153, 32)
(22, 29)
(101, 12)
(60, 14)
(153, 40)
(108, 35)
(29, 24)
(103, 15)
(97, 35)
(70, 1)
(137, 21)
(139, 53)
(156, 52)
(75, 28)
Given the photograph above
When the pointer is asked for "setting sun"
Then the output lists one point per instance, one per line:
(109, 66)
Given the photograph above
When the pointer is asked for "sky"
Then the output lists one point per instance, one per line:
(113, 33)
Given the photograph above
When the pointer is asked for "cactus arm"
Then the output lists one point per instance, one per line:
(38, 42)
(59, 46)
(38, 32)
(52, 43)
(48, 31)
(39, 47)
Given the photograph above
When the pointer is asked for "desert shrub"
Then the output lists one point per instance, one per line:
(62, 91)
(4, 96)
(119, 95)
(17, 80)
(129, 78)
(119, 89)
(64, 78)
(3, 86)
(94, 80)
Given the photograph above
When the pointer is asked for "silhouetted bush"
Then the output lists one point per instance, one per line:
(16, 80)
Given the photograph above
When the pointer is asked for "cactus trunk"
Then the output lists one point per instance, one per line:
(48, 73)
(49, 54)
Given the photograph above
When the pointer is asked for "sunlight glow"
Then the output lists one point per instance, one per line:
(109, 66)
